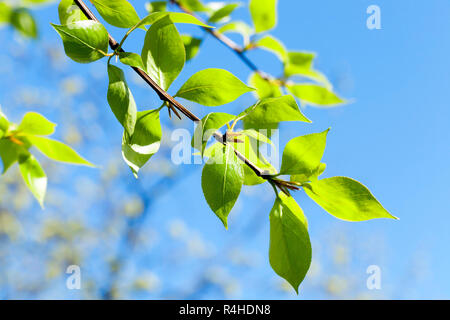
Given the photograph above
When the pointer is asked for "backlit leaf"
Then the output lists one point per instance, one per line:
(290, 250)
(346, 199)
(213, 87)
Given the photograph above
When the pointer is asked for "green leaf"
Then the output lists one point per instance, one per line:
(273, 45)
(34, 177)
(315, 95)
(258, 136)
(163, 53)
(121, 99)
(208, 126)
(5, 12)
(84, 41)
(222, 180)
(264, 88)
(213, 87)
(346, 199)
(34, 123)
(223, 12)
(144, 142)
(156, 6)
(298, 63)
(269, 112)
(119, 13)
(239, 27)
(302, 155)
(290, 250)
(22, 20)
(302, 178)
(131, 59)
(9, 152)
(69, 12)
(249, 148)
(175, 17)
(191, 45)
(57, 151)
(4, 123)
(193, 5)
(264, 14)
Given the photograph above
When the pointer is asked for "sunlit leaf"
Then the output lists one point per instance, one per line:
(57, 151)
(346, 199)
(84, 41)
(213, 87)
(34, 177)
(69, 12)
(264, 14)
(315, 95)
(163, 53)
(222, 180)
(209, 124)
(121, 99)
(34, 123)
(145, 141)
(302, 155)
(269, 112)
(290, 250)
(119, 13)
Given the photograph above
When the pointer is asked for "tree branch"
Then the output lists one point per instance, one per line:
(164, 96)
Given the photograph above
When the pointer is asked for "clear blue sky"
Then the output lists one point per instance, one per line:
(394, 137)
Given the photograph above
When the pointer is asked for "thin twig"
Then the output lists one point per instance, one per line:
(163, 95)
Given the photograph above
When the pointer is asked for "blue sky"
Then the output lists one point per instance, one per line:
(393, 137)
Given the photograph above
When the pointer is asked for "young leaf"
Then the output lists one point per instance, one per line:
(57, 151)
(175, 17)
(191, 45)
(84, 41)
(69, 12)
(302, 155)
(156, 6)
(119, 13)
(301, 64)
(239, 27)
(264, 88)
(22, 20)
(268, 112)
(213, 87)
(346, 199)
(34, 176)
(121, 99)
(264, 14)
(207, 127)
(9, 152)
(36, 124)
(5, 13)
(249, 148)
(144, 142)
(131, 59)
(193, 5)
(272, 44)
(315, 95)
(222, 179)
(163, 53)
(298, 62)
(223, 12)
(258, 136)
(290, 250)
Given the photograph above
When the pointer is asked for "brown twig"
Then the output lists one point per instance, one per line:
(164, 96)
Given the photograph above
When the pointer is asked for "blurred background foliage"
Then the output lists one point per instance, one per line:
(145, 238)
